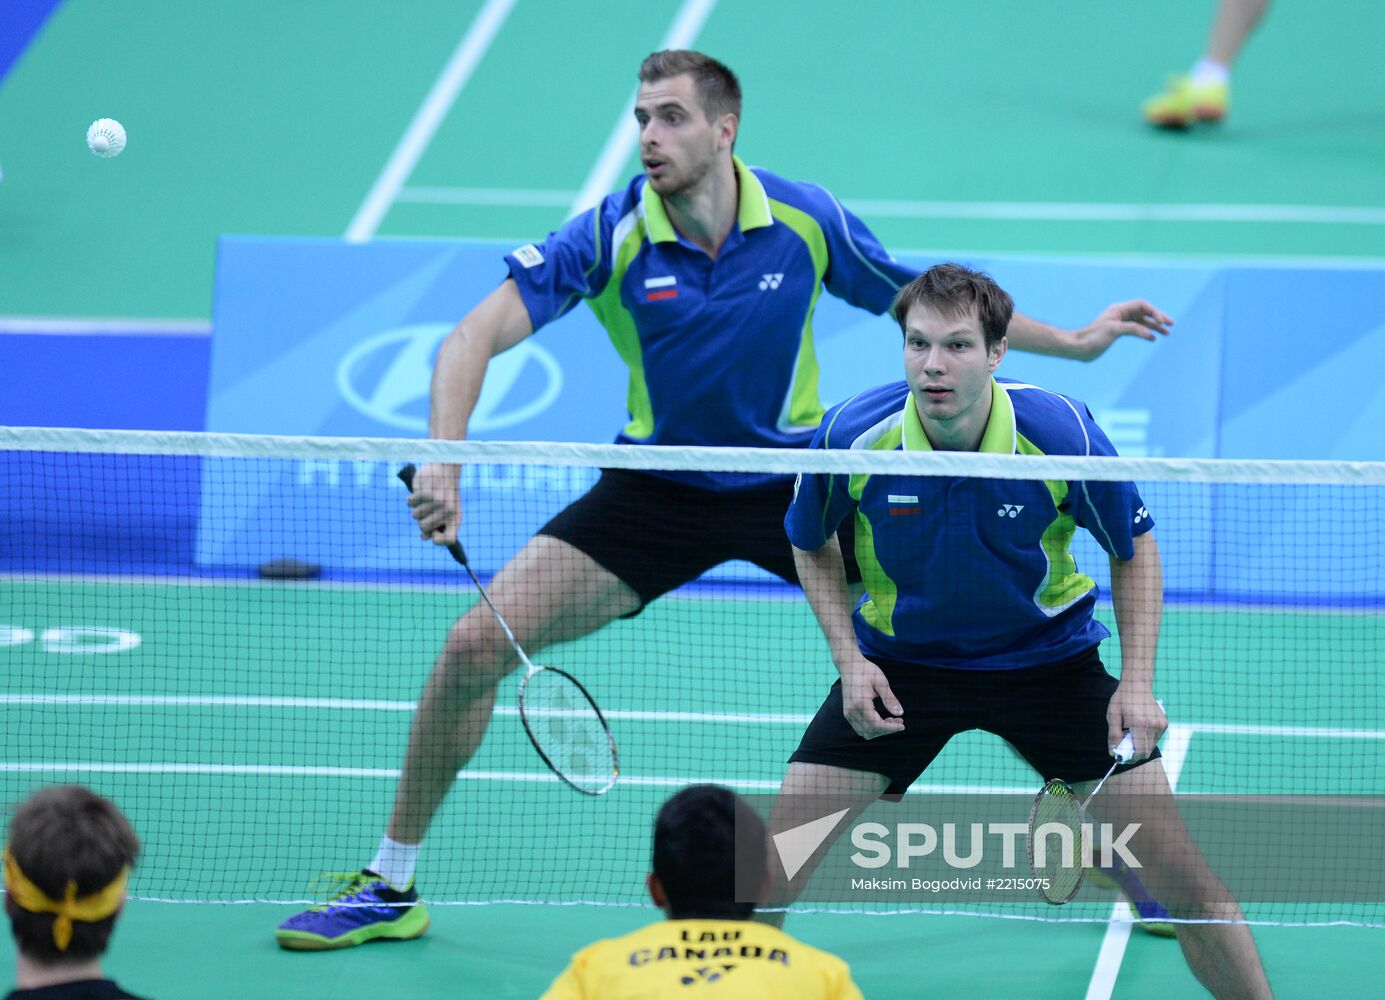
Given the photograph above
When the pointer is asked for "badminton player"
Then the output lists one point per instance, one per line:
(976, 615)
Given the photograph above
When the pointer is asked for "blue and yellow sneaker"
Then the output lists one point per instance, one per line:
(1153, 917)
(364, 908)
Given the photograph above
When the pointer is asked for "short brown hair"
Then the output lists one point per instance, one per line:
(717, 87)
(954, 290)
(67, 834)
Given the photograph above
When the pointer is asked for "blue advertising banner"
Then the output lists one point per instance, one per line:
(321, 337)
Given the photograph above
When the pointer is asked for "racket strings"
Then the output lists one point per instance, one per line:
(1055, 841)
(567, 728)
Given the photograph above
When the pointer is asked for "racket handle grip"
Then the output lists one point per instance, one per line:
(406, 476)
(1125, 750)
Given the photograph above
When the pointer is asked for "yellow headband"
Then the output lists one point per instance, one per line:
(89, 909)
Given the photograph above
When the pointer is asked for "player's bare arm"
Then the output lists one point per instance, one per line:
(1137, 594)
(499, 322)
(1135, 318)
(823, 578)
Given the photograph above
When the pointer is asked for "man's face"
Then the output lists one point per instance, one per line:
(678, 145)
(949, 372)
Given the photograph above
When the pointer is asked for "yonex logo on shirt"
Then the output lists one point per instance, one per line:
(706, 974)
(769, 282)
(1009, 510)
(1140, 515)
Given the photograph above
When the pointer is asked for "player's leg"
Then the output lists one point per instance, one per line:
(1204, 94)
(549, 592)
(810, 792)
(628, 540)
(1054, 717)
(1221, 955)
(1234, 22)
(835, 768)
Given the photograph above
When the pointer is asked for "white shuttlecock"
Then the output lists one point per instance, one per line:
(106, 137)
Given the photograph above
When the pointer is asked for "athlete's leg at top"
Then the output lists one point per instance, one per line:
(1222, 955)
(809, 792)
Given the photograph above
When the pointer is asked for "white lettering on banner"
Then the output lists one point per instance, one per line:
(541, 479)
(318, 473)
(1128, 430)
(309, 469)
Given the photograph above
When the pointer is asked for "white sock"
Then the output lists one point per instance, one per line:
(1208, 71)
(395, 863)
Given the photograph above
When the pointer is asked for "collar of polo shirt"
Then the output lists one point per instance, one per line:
(752, 212)
(999, 438)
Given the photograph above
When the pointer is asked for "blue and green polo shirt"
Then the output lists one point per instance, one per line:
(720, 351)
(967, 572)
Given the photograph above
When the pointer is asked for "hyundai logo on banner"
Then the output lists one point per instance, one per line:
(386, 377)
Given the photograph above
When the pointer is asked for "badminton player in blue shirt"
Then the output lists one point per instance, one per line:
(705, 273)
(975, 613)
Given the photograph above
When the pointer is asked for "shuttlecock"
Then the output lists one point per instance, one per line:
(106, 137)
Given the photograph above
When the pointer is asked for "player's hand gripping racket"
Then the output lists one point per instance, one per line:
(1060, 872)
(563, 721)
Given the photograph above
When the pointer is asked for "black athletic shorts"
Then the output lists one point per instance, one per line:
(656, 534)
(1054, 715)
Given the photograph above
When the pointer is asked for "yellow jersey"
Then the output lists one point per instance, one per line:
(687, 959)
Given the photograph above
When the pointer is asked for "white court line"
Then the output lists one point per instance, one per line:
(429, 116)
(718, 590)
(104, 326)
(1150, 258)
(522, 777)
(605, 174)
(370, 705)
(1022, 211)
(1238, 730)
(1141, 259)
(1174, 751)
(1113, 944)
(778, 592)
(447, 580)
(624, 136)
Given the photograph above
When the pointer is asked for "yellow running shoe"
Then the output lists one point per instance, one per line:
(1185, 102)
